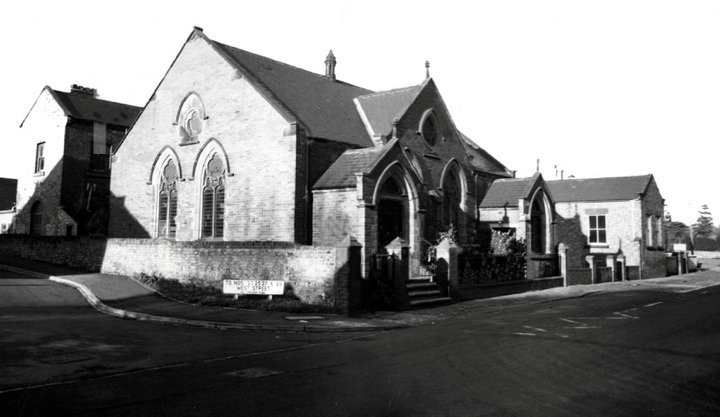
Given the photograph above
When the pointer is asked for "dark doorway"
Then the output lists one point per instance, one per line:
(392, 213)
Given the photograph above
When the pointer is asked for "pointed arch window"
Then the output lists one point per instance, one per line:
(168, 197)
(451, 199)
(213, 199)
(190, 118)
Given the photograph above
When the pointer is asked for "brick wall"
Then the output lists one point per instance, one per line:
(311, 271)
(261, 197)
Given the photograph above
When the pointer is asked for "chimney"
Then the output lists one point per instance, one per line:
(330, 66)
(79, 90)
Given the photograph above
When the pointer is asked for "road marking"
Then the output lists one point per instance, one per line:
(561, 335)
(653, 304)
(625, 315)
(525, 334)
(571, 321)
(535, 328)
(582, 327)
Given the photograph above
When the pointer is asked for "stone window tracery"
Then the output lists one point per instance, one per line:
(429, 128)
(213, 199)
(167, 198)
(191, 118)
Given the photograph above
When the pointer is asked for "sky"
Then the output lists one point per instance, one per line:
(594, 88)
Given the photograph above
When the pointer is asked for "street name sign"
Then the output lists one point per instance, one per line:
(253, 287)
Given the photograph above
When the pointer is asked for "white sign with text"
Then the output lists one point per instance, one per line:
(252, 286)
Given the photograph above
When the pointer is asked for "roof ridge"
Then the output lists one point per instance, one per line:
(601, 178)
(391, 91)
(289, 66)
(93, 98)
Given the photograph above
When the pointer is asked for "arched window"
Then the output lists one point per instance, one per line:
(451, 199)
(168, 196)
(190, 118)
(36, 219)
(213, 198)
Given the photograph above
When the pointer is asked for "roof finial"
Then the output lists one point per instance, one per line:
(395, 123)
(427, 69)
(330, 63)
(537, 165)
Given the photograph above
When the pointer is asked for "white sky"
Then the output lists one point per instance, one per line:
(599, 88)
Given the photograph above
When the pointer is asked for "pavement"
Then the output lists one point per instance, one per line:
(124, 297)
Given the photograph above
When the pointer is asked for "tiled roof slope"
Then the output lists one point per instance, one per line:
(599, 189)
(382, 108)
(480, 159)
(8, 192)
(507, 191)
(341, 173)
(325, 106)
(96, 110)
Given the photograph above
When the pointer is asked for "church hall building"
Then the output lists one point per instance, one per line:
(234, 146)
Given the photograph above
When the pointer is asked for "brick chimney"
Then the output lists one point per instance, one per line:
(330, 66)
(79, 90)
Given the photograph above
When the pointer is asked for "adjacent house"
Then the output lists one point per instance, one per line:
(8, 195)
(234, 146)
(611, 223)
(64, 189)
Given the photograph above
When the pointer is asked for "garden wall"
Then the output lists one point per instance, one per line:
(315, 274)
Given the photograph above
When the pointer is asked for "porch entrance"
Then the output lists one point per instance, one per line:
(392, 212)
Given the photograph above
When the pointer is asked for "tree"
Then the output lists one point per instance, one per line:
(703, 226)
(675, 232)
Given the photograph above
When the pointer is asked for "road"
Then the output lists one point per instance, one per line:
(632, 353)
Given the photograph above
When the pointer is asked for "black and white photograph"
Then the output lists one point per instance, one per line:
(360, 208)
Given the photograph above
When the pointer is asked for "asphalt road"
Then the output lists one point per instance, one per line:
(633, 353)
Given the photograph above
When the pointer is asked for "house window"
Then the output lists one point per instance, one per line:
(650, 232)
(598, 232)
(36, 219)
(40, 157)
(167, 207)
(213, 199)
(659, 238)
(100, 145)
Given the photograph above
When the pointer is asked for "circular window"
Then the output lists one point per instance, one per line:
(429, 130)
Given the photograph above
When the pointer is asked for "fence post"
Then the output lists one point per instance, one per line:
(623, 269)
(348, 284)
(399, 252)
(610, 261)
(562, 253)
(448, 251)
(590, 259)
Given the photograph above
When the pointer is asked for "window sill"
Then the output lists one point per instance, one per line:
(39, 174)
(598, 245)
(194, 142)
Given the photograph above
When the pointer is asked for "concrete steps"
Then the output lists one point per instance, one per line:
(423, 292)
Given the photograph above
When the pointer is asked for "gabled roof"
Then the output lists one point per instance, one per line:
(86, 107)
(599, 189)
(8, 192)
(507, 191)
(380, 109)
(481, 160)
(341, 173)
(324, 106)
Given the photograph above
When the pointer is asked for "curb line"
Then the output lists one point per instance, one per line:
(96, 303)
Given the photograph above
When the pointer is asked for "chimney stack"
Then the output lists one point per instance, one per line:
(330, 63)
(79, 90)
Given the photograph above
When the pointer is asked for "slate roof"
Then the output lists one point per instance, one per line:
(480, 159)
(599, 189)
(507, 191)
(8, 192)
(382, 108)
(96, 110)
(324, 106)
(341, 173)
